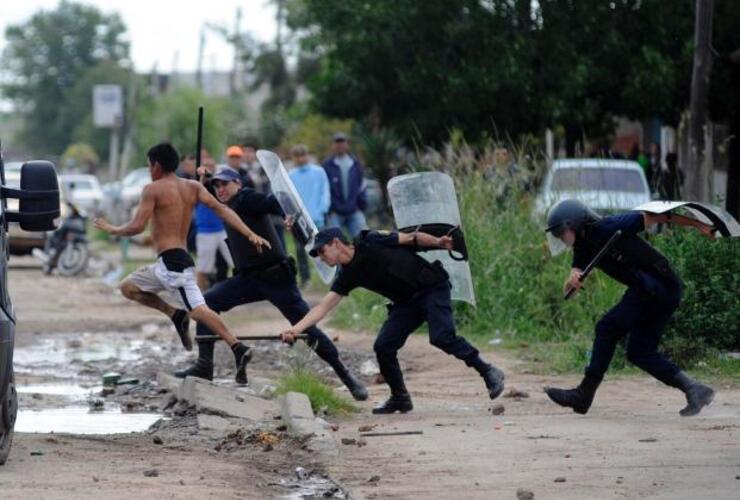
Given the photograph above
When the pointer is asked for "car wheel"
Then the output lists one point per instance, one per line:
(8, 414)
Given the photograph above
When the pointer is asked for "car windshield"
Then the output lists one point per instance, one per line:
(597, 179)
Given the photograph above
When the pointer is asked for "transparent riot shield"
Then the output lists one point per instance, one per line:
(428, 199)
(304, 228)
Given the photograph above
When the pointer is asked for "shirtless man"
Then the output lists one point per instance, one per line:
(169, 202)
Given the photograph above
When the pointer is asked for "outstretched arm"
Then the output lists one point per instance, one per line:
(230, 217)
(681, 220)
(329, 302)
(424, 240)
(138, 223)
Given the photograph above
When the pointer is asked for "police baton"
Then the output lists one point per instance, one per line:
(216, 338)
(199, 138)
(595, 262)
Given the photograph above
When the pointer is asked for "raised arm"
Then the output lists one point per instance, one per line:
(138, 223)
(705, 229)
(230, 217)
(316, 314)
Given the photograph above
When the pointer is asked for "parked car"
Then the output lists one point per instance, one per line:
(35, 215)
(121, 197)
(20, 241)
(607, 186)
(84, 190)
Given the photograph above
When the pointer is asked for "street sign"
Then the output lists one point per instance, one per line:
(107, 105)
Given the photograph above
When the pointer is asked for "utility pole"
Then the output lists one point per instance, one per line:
(237, 52)
(698, 175)
(199, 67)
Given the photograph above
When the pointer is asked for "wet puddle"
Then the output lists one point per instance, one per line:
(58, 380)
(80, 420)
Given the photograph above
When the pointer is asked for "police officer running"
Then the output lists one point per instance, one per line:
(269, 275)
(386, 263)
(653, 294)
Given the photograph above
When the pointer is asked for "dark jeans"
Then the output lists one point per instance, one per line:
(245, 289)
(433, 306)
(642, 314)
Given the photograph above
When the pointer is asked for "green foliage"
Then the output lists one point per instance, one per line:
(322, 396)
(709, 316)
(315, 131)
(80, 156)
(174, 117)
(424, 68)
(46, 57)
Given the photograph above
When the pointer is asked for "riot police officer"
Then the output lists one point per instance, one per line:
(387, 263)
(267, 275)
(653, 294)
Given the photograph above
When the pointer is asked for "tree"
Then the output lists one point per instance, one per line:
(44, 59)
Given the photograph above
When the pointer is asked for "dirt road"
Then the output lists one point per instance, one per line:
(632, 444)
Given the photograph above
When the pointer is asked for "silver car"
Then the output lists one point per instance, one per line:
(84, 191)
(607, 186)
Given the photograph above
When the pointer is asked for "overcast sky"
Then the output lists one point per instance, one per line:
(158, 29)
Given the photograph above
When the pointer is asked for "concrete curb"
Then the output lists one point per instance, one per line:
(239, 402)
(298, 416)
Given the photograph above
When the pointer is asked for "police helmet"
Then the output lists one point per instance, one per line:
(564, 215)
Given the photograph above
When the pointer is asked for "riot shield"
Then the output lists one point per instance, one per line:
(304, 228)
(726, 225)
(426, 201)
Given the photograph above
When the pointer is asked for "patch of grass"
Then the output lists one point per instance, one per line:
(322, 397)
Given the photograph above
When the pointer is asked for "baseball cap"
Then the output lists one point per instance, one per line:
(340, 136)
(324, 237)
(234, 151)
(227, 174)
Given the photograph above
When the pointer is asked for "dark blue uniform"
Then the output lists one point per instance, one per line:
(653, 294)
(419, 291)
(262, 276)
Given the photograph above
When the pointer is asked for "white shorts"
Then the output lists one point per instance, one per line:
(206, 246)
(182, 287)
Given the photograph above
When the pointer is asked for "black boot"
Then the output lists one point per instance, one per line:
(358, 391)
(199, 369)
(494, 379)
(242, 356)
(580, 398)
(397, 402)
(182, 323)
(697, 395)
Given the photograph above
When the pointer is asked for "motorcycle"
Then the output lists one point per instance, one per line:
(66, 249)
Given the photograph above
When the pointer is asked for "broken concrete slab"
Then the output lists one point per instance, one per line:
(296, 405)
(209, 397)
(187, 389)
(221, 424)
(295, 408)
(169, 382)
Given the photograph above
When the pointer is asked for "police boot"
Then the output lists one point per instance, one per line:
(199, 369)
(697, 395)
(580, 398)
(242, 356)
(494, 379)
(358, 391)
(397, 402)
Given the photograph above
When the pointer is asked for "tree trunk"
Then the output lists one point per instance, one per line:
(572, 138)
(733, 167)
(699, 172)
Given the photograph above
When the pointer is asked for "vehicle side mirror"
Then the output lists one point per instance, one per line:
(38, 197)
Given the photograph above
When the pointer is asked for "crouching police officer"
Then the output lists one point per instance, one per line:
(267, 275)
(386, 263)
(653, 294)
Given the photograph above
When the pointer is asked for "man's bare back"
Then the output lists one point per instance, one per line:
(174, 200)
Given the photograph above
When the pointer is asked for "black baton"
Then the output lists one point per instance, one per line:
(216, 338)
(199, 137)
(595, 262)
